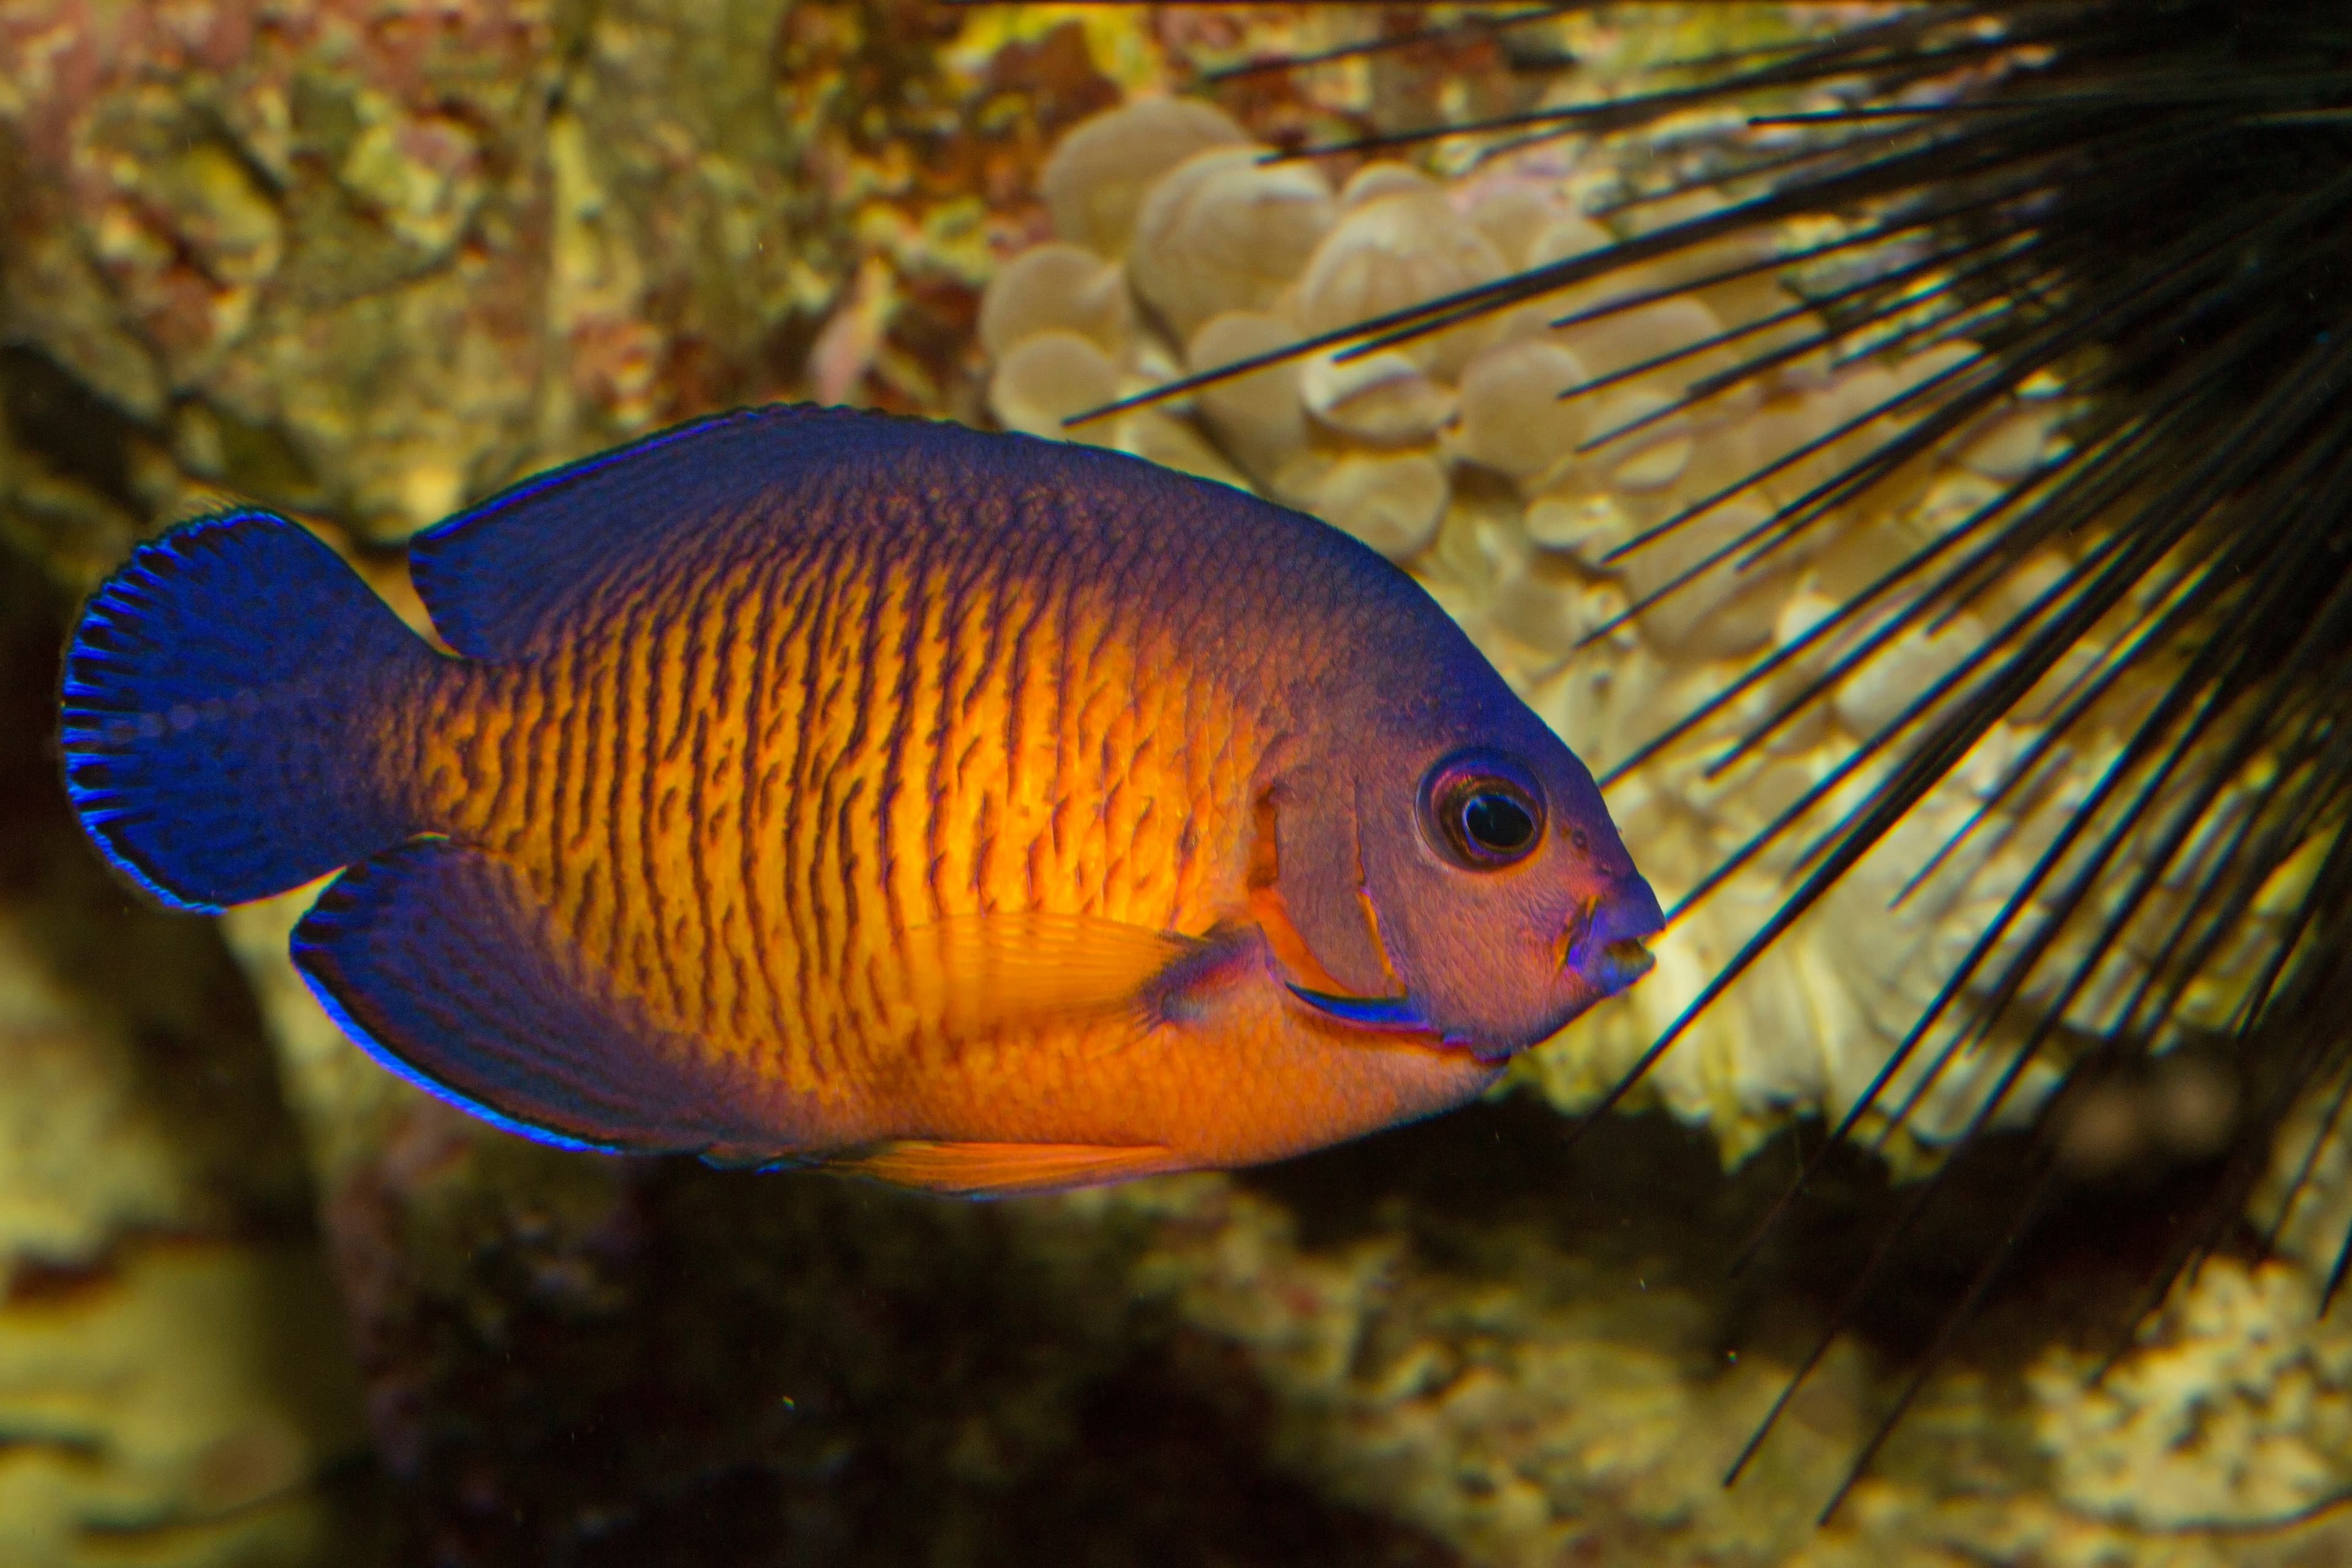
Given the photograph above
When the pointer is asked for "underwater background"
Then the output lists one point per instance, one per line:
(266, 1304)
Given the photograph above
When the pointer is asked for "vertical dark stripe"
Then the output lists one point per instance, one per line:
(905, 694)
(994, 607)
(626, 619)
(584, 718)
(947, 737)
(1051, 844)
(721, 714)
(524, 755)
(802, 825)
(692, 746)
(561, 720)
(767, 637)
(1016, 679)
(836, 803)
(653, 630)
(688, 959)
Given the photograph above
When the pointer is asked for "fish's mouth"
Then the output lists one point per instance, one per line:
(1604, 948)
(1618, 965)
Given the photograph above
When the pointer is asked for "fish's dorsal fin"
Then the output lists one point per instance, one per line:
(1001, 1170)
(498, 576)
(979, 973)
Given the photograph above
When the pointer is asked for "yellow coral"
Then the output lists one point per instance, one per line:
(2234, 1413)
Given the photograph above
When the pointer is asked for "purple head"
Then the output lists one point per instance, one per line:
(1447, 851)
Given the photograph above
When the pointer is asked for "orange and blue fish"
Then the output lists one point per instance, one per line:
(807, 787)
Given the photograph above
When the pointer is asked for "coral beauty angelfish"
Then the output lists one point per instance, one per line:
(958, 809)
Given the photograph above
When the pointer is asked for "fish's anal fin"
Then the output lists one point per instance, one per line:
(1003, 1170)
(441, 963)
(977, 975)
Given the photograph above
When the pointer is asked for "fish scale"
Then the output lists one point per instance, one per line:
(965, 811)
(1030, 703)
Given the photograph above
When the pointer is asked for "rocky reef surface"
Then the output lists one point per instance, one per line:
(363, 262)
(1541, 521)
(176, 1382)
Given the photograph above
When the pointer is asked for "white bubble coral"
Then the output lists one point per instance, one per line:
(1223, 231)
(1097, 178)
(1395, 251)
(1051, 288)
(1515, 418)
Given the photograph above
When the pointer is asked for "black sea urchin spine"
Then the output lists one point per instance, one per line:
(2148, 206)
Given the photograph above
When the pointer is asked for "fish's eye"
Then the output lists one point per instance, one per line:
(1481, 812)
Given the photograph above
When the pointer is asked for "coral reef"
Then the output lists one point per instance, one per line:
(371, 261)
(1460, 1329)
(368, 263)
(175, 1385)
(193, 1405)
(1529, 513)
(2234, 1413)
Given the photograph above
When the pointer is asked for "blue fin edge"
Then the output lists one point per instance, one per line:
(392, 1062)
(1396, 1013)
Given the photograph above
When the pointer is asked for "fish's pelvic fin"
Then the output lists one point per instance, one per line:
(980, 973)
(1391, 1013)
(215, 692)
(755, 1157)
(442, 964)
(1002, 1170)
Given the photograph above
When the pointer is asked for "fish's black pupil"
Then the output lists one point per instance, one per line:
(1481, 813)
(1497, 823)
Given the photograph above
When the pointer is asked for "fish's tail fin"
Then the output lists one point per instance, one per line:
(220, 692)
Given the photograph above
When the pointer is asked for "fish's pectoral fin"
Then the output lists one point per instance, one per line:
(442, 963)
(1001, 1170)
(977, 975)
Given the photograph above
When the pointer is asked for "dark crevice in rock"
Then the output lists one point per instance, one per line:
(75, 433)
(732, 1368)
(1648, 1193)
